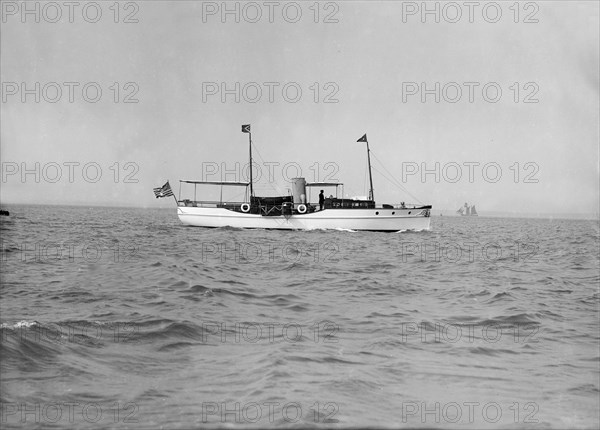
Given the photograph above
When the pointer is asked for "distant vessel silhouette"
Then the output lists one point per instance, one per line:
(467, 210)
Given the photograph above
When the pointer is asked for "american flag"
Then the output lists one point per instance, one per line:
(164, 191)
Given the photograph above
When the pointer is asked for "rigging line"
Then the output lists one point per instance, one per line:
(393, 180)
(397, 182)
(273, 187)
(399, 186)
(235, 197)
(406, 191)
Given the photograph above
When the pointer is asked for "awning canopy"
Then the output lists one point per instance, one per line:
(245, 184)
(323, 184)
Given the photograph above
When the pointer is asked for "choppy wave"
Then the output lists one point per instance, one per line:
(159, 325)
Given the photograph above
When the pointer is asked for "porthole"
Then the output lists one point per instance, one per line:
(393, 213)
(409, 212)
(376, 213)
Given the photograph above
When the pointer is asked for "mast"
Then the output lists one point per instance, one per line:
(246, 129)
(251, 189)
(371, 193)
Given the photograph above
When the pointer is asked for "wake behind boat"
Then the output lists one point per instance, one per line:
(296, 211)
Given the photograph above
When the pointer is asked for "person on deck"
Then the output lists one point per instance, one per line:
(321, 200)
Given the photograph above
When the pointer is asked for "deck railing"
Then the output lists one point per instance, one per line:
(268, 209)
(401, 206)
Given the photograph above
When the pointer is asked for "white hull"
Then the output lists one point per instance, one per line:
(351, 219)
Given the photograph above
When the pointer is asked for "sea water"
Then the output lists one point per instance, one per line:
(124, 318)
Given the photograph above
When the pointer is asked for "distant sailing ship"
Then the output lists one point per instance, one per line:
(467, 210)
(295, 211)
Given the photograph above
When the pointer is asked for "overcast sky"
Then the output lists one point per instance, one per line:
(361, 68)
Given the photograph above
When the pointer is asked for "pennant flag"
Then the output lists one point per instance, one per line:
(164, 191)
(246, 128)
(363, 139)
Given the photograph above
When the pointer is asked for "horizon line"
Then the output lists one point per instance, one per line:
(489, 214)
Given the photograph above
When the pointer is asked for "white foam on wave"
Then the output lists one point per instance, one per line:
(20, 324)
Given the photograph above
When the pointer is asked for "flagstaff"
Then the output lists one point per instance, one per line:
(246, 129)
(173, 194)
(371, 193)
(251, 187)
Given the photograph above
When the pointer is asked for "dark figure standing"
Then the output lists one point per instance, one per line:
(321, 200)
